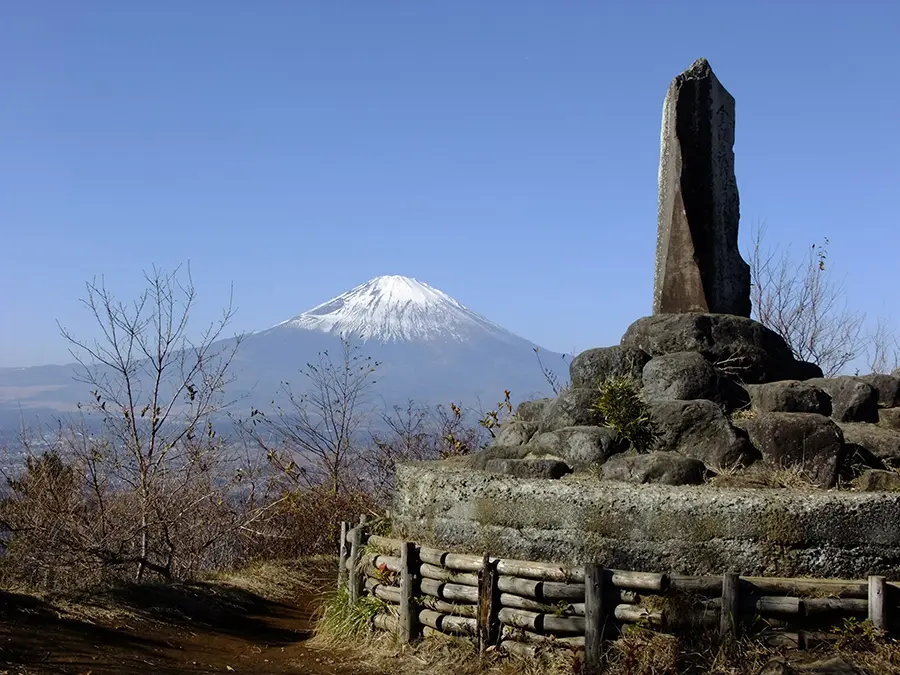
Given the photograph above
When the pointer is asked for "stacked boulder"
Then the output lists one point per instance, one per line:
(728, 403)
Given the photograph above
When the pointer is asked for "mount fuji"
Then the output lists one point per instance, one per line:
(431, 349)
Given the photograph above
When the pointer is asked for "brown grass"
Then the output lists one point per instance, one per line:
(639, 651)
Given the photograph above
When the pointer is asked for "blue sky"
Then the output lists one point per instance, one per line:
(505, 152)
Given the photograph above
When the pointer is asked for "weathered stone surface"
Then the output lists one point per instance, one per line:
(852, 399)
(881, 442)
(579, 447)
(813, 443)
(789, 396)
(531, 411)
(836, 665)
(528, 468)
(887, 388)
(889, 418)
(775, 667)
(699, 429)
(573, 408)
(515, 432)
(875, 481)
(742, 347)
(680, 375)
(698, 265)
(668, 468)
(591, 367)
(691, 529)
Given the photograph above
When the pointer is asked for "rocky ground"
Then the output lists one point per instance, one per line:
(725, 399)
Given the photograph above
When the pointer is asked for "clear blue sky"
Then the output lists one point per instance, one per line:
(505, 151)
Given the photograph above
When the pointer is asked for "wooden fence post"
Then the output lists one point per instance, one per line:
(731, 605)
(342, 556)
(357, 576)
(488, 604)
(877, 604)
(408, 613)
(596, 595)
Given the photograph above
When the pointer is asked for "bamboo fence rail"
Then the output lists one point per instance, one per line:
(520, 605)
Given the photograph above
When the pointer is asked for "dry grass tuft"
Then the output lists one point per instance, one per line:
(282, 579)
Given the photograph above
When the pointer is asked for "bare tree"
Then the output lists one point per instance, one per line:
(155, 391)
(804, 304)
(882, 348)
(405, 433)
(316, 438)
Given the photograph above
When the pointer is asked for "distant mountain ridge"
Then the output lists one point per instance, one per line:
(432, 349)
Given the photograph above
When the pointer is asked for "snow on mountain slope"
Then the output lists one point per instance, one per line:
(397, 309)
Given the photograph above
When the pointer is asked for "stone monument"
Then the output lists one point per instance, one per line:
(698, 265)
(757, 464)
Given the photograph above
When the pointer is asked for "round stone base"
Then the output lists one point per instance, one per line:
(653, 528)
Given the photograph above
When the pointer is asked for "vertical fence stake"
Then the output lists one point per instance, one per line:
(877, 605)
(731, 605)
(408, 559)
(342, 556)
(595, 611)
(357, 576)
(488, 604)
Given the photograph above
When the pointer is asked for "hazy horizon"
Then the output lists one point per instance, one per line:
(504, 153)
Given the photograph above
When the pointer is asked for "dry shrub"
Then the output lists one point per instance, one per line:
(63, 530)
(307, 521)
(282, 580)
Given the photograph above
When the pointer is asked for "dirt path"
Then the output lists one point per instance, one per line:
(191, 629)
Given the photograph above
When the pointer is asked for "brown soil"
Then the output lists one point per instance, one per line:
(149, 629)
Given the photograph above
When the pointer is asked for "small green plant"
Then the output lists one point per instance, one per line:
(342, 619)
(623, 409)
(855, 635)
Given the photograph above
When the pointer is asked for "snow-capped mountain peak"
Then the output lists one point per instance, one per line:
(396, 309)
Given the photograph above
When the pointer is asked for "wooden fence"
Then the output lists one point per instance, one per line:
(519, 605)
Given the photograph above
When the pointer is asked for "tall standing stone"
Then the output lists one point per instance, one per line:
(698, 265)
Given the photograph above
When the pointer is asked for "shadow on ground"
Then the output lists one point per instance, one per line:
(159, 628)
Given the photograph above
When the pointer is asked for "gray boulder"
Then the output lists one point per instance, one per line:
(528, 468)
(480, 459)
(669, 468)
(858, 460)
(887, 387)
(590, 368)
(889, 418)
(681, 375)
(789, 396)
(579, 447)
(804, 370)
(741, 347)
(699, 429)
(814, 443)
(878, 481)
(515, 432)
(852, 399)
(531, 411)
(881, 442)
(573, 408)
